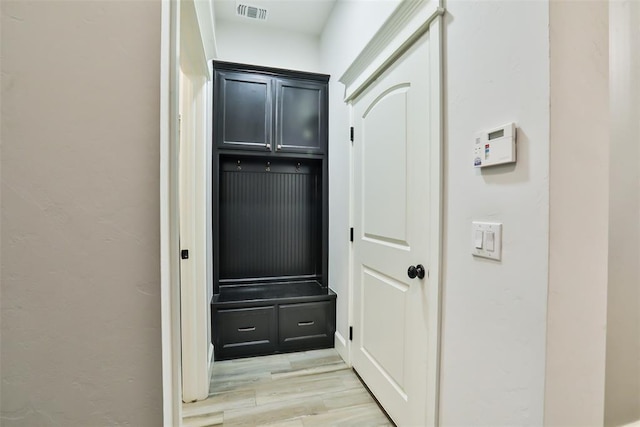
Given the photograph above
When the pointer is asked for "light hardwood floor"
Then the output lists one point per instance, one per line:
(313, 388)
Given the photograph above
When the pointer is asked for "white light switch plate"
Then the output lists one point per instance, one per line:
(485, 228)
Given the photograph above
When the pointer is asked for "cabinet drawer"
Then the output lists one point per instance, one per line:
(307, 324)
(243, 331)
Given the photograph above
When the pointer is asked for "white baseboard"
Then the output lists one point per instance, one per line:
(342, 347)
(633, 424)
(210, 359)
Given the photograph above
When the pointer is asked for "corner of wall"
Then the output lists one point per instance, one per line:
(579, 201)
(622, 375)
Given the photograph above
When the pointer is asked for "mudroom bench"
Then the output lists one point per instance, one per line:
(267, 318)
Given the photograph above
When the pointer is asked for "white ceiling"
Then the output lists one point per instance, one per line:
(305, 16)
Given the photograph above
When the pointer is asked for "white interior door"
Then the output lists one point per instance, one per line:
(393, 230)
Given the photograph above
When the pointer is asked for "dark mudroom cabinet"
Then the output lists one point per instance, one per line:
(270, 112)
(270, 212)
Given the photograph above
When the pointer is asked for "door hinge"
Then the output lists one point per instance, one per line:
(184, 254)
(351, 132)
(351, 234)
(350, 333)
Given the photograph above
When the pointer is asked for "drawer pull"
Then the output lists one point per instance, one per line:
(311, 322)
(249, 329)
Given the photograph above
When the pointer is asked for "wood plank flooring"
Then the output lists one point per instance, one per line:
(313, 388)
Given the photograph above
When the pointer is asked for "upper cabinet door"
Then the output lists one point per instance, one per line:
(301, 116)
(243, 111)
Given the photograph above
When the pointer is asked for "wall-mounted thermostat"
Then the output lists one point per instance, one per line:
(495, 147)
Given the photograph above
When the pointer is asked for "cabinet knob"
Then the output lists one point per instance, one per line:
(279, 147)
(267, 146)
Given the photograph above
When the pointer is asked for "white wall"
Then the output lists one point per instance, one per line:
(622, 381)
(494, 315)
(349, 28)
(579, 213)
(493, 335)
(252, 44)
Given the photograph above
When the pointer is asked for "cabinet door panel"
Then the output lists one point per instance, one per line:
(301, 116)
(243, 111)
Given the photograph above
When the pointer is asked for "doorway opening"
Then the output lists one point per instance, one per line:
(394, 28)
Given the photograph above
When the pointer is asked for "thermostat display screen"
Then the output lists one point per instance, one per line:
(496, 134)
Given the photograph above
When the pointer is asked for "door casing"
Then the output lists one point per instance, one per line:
(191, 21)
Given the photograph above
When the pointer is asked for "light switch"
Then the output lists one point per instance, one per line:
(487, 240)
(479, 238)
(490, 238)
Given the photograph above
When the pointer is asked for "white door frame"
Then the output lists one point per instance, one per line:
(190, 21)
(410, 18)
(409, 21)
(197, 350)
(169, 217)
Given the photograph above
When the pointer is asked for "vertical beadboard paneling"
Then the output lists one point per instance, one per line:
(270, 221)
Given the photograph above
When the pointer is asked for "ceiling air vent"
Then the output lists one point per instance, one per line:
(252, 12)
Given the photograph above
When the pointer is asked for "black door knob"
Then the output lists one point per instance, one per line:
(416, 271)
